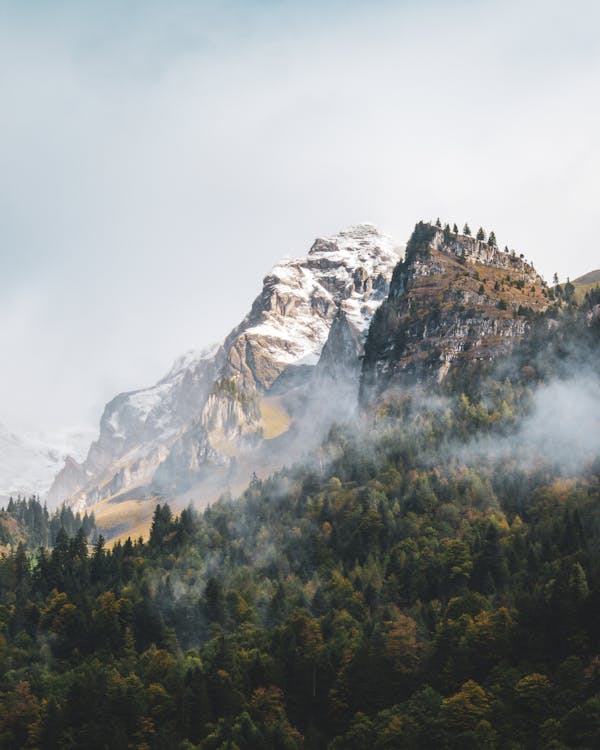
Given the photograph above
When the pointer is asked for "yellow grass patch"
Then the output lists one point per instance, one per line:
(275, 419)
(134, 516)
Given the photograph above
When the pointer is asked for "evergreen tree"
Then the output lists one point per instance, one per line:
(161, 525)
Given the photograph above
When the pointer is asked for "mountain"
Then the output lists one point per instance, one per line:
(29, 462)
(453, 301)
(586, 283)
(219, 415)
(350, 318)
(592, 277)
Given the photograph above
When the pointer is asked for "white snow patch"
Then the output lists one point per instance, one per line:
(303, 285)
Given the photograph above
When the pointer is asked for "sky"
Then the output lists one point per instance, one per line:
(156, 159)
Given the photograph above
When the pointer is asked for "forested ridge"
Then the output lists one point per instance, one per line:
(400, 590)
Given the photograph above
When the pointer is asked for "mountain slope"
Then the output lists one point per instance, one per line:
(592, 277)
(212, 409)
(136, 429)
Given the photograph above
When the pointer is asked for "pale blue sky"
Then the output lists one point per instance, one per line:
(156, 161)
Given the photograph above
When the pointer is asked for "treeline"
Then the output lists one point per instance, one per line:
(37, 527)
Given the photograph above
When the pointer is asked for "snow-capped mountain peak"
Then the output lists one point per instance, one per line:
(290, 320)
(357, 242)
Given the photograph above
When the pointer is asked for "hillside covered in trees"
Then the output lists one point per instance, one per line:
(430, 580)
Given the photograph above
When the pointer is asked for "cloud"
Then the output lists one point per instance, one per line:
(564, 425)
(561, 430)
(158, 159)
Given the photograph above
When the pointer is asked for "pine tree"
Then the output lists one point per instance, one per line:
(214, 601)
(162, 523)
(467, 230)
(99, 559)
(481, 234)
(455, 228)
(492, 240)
(438, 223)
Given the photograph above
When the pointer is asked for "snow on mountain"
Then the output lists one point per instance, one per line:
(136, 428)
(290, 320)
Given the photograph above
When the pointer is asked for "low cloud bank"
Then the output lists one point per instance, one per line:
(561, 429)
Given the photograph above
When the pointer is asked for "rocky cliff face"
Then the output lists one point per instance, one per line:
(214, 406)
(272, 375)
(342, 350)
(452, 300)
(290, 320)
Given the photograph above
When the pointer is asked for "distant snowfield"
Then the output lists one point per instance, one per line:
(29, 462)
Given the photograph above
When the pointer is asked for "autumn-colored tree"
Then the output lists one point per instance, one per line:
(20, 718)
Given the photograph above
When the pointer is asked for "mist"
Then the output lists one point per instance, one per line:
(561, 430)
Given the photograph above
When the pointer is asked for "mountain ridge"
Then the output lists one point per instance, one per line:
(212, 406)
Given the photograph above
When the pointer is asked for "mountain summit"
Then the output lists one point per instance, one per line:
(454, 300)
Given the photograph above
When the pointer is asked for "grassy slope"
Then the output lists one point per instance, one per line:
(592, 278)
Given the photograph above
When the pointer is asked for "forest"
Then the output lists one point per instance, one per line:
(402, 590)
